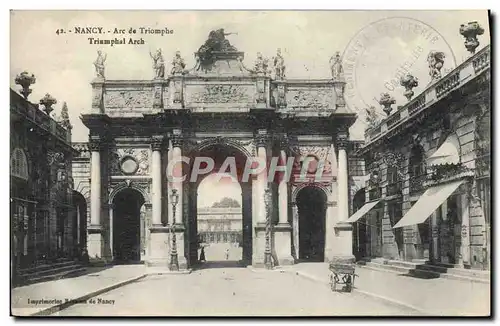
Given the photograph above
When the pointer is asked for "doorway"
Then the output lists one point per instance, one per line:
(311, 204)
(127, 226)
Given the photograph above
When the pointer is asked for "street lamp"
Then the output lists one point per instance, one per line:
(174, 260)
(267, 253)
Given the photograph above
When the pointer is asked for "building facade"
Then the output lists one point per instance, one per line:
(218, 109)
(427, 195)
(44, 228)
(220, 225)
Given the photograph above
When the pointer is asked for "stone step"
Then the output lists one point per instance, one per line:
(39, 268)
(386, 267)
(51, 277)
(423, 270)
(55, 270)
(470, 273)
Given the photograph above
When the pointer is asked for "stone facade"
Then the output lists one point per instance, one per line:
(217, 109)
(44, 226)
(451, 116)
(220, 225)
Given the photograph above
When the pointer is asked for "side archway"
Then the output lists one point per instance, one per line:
(127, 223)
(311, 204)
(79, 221)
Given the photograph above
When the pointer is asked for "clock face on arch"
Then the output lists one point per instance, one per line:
(129, 165)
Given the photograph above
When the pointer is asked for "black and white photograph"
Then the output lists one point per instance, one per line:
(258, 163)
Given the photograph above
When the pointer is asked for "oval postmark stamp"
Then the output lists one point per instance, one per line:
(384, 51)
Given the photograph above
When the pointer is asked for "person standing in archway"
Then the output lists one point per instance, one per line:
(202, 254)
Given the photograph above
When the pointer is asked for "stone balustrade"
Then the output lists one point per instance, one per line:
(32, 113)
(459, 76)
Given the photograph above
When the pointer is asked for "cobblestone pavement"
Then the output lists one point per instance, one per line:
(230, 292)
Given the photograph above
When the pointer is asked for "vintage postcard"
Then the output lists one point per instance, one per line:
(250, 163)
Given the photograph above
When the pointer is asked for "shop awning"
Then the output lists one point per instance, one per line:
(447, 153)
(428, 203)
(362, 211)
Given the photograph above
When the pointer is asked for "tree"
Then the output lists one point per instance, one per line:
(226, 202)
(65, 116)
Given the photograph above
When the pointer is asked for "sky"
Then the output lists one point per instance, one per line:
(217, 186)
(62, 63)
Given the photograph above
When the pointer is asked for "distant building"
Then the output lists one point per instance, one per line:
(216, 225)
(44, 228)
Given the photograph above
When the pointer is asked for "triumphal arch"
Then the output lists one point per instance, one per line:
(220, 108)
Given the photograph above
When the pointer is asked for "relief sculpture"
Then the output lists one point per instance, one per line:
(221, 94)
(129, 99)
(315, 99)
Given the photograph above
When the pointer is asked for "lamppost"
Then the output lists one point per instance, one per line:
(174, 260)
(267, 253)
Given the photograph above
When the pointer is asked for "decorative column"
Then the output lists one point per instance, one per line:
(283, 231)
(434, 257)
(177, 221)
(261, 142)
(465, 230)
(295, 226)
(95, 229)
(342, 247)
(342, 176)
(156, 196)
(176, 156)
(332, 214)
(283, 187)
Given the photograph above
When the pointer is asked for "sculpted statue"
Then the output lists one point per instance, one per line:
(371, 117)
(435, 60)
(178, 64)
(261, 64)
(279, 65)
(158, 64)
(216, 42)
(99, 64)
(336, 66)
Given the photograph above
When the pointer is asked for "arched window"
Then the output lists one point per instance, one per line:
(416, 168)
(19, 164)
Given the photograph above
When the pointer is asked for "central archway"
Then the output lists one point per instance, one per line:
(127, 205)
(238, 242)
(311, 204)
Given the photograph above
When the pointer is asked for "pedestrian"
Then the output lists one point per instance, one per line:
(202, 255)
(227, 253)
